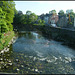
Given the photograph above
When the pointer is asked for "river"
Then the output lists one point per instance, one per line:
(34, 54)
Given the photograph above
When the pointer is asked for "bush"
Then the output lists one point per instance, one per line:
(5, 43)
(70, 23)
(1, 46)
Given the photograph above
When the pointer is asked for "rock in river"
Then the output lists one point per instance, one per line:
(48, 61)
(10, 64)
(17, 60)
(36, 70)
(1, 59)
(17, 69)
(22, 66)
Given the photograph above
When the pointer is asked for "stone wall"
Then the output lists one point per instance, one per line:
(58, 34)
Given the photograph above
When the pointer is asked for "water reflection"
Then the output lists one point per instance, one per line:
(27, 35)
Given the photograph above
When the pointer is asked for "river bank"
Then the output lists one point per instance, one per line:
(5, 50)
(6, 41)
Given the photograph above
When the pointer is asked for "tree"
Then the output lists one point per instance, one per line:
(8, 7)
(61, 12)
(3, 25)
(30, 17)
(41, 21)
(19, 17)
(70, 14)
(33, 17)
(52, 12)
(20, 12)
(69, 11)
(15, 12)
(28, 12)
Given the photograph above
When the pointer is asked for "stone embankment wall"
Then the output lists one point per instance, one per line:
(6, 49)
(65, 35)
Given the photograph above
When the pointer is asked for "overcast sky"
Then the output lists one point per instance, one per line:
(40, 7)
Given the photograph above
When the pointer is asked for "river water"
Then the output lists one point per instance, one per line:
(34, 54)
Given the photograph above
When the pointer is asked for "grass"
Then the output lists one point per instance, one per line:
(6, 39)
(39, 24)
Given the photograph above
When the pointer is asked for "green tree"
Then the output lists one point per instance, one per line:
(52, 12)
(3, 25)
(30, 17)
(33, 17)
(43, 21)
(19, 17)
(28, 12)
(61, 12)
(15, 12)
(69, 11)
(70, 14)
(8, 7)
(39, 21)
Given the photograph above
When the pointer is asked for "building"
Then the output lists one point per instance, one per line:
(53, 19)
(49, 19)
(46, 18)
(63, 21)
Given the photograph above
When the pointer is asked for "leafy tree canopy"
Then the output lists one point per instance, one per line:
(52, 12)
(28, 12)
(8, 9)
(61, 12)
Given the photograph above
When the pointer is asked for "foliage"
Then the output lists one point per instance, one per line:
(6, 39)
(61, 12)
(70, 23)
(18, 19)
(6, 15)
(33, 17)
(69, 11)
(41, 21)
(28, 18)
(7, 9)
(3, 26)
(52, 12)
(28, 12)
(70, 14)
(20, 12)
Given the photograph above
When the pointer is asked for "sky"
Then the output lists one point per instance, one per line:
(40, 7)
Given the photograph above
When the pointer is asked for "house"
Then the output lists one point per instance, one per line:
(46, 17)
(63, 20)
(38, 18)
(53, 19)
(49, 19)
